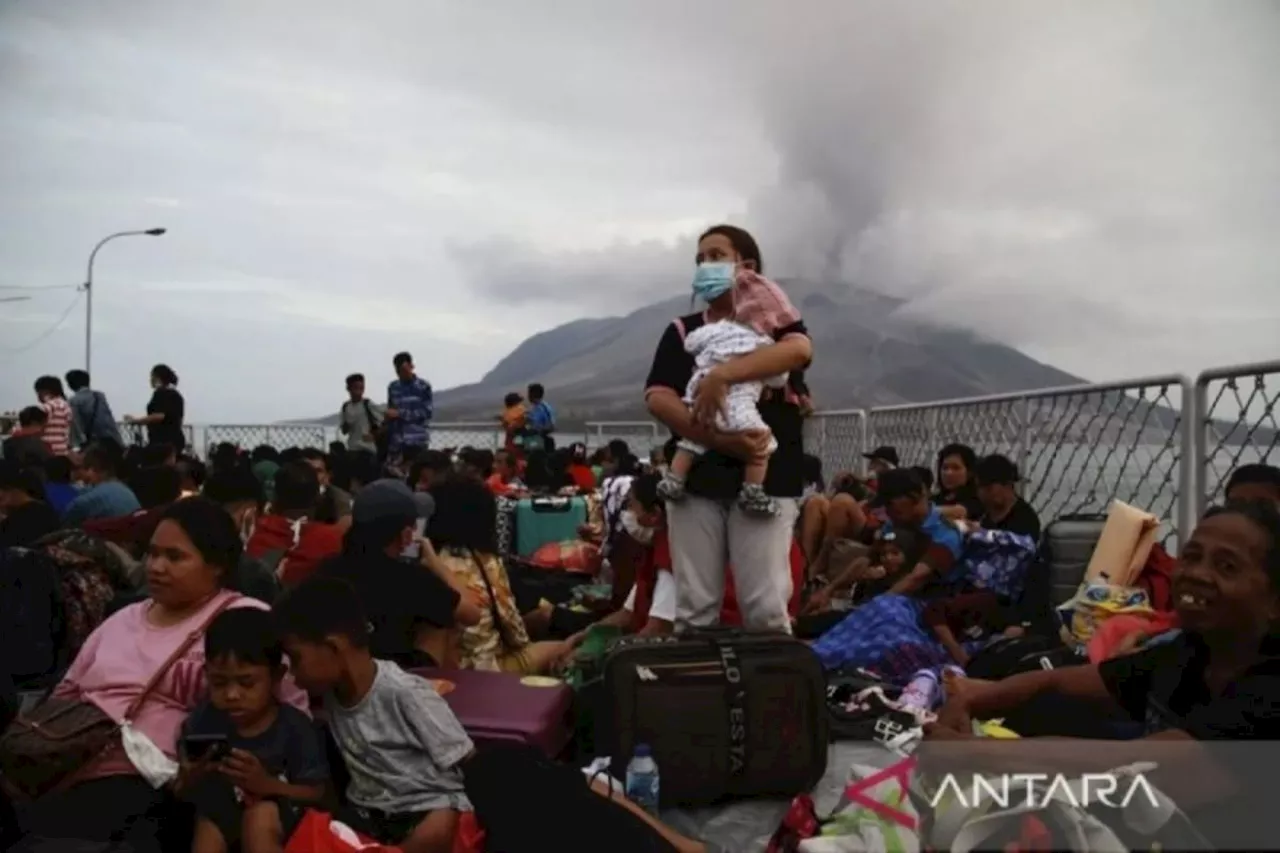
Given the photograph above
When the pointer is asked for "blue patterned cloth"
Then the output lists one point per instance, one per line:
(997, 560)
(414, 402)
(885, 636)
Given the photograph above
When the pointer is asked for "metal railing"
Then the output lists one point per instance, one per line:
(1160, 443)
(1235, 424)
(1077, 448)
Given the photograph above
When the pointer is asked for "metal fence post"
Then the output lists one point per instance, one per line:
(1190, 494)
(1199, 426)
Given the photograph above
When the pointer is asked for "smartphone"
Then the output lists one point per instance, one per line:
(202, 747)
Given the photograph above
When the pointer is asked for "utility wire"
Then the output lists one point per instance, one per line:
(47, 332)
(38, 287)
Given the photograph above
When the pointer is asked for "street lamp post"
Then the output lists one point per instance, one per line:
(88, 286)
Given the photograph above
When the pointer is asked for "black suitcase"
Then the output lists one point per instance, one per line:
(727, 713)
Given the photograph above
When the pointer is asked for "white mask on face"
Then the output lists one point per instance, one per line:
(636, 530)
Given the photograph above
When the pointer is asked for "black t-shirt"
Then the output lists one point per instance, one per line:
(399, 597)
(715, 475)
(1022, 520)
(290, 748)
(967, 499)
(27, 523)
(168, 402)
(1163, 688)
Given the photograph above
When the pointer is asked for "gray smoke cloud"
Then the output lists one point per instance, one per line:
(1072, 178)
(1091, 181)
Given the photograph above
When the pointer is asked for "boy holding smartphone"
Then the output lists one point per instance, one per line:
(249, 764)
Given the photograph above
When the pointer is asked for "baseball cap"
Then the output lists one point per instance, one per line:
(884, 454)
(383, 499)
(996, 469)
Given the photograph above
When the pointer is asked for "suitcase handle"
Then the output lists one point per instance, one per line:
(556, 504)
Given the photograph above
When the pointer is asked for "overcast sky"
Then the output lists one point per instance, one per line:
(1093, 182)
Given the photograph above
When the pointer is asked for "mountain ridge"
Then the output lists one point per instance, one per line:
(868, 351)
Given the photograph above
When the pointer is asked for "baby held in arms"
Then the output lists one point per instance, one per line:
(760, 309)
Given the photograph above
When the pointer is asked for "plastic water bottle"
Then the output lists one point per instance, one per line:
(922, 692)
(642, 780)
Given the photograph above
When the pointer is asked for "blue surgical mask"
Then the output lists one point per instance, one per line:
(713, 280)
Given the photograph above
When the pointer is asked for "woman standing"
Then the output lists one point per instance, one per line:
(165, 411)
(708, 529)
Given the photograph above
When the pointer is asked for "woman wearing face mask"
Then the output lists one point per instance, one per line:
(650, 606)
(709, 525)
(239, 492)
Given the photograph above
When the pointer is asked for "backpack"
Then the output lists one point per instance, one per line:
(1006, 656)
(31, 621)
(89, 576)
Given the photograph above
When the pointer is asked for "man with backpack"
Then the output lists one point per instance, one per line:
(92, 421)
(359, 419)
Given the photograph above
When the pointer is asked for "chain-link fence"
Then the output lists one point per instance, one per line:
(640, 436)
(1158, 443)
(279, 436)
(1235, 424)
(1077, 448)
(838, 438)
(137, 434)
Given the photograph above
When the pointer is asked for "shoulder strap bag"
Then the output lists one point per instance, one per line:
(43, 751)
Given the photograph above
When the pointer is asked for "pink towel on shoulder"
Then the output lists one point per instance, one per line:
(761, 304)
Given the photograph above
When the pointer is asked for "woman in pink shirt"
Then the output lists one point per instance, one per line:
(193, 553)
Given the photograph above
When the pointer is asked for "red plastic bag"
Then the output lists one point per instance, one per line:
(318, 832)
(574, 556)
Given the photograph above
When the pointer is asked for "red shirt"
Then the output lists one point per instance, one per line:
(499, 486)
(657, 558)
(729, 614)
(583, 477)
(304, 548)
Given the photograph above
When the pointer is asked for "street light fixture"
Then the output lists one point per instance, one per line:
(88, 285)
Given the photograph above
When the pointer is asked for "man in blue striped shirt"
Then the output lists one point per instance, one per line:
(408, 416)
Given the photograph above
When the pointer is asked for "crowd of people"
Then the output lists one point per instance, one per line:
(231, 599)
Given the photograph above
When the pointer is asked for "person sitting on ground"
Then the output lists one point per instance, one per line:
(476, 464)
(463, 532)
(427, 468)
(578, 470)
(1254, 482)
(883, 562)
(414, 606)
(880, 461)
(759, 310)
(650, 608)
(957, 493)
(403, 746)
(192, 555)
(334, 504)
(104, 495)
(250, 765)
(286, 538)
(504, 482)
(907, 505)
(1002, 509)
(26, 444)
(192, 474)
(156, 488)
(926, 477)
(24, 516)
(59, 491)
(1216, 681)
(238, 492)
(825, 521)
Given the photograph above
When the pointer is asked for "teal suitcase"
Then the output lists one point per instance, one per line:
(540, 520)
